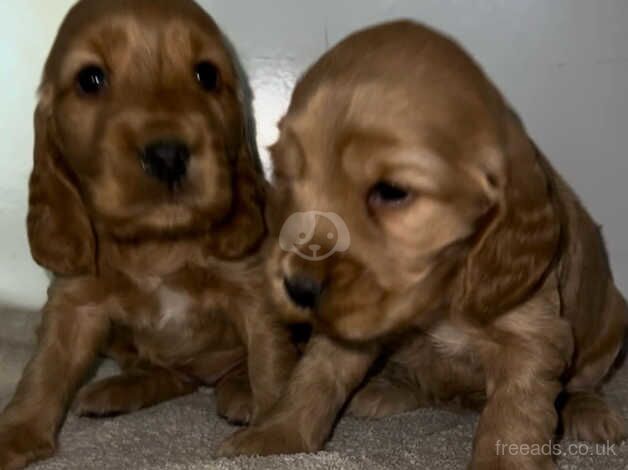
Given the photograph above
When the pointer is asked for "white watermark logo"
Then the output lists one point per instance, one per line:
(555, 449)
(299, 229)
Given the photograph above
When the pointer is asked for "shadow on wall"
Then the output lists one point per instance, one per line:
(18, 325)
(17, 338)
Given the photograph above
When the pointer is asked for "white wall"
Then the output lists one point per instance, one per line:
(26, 31)
(563, 64)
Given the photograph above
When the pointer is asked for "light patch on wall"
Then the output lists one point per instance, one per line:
(273, 80)
(27, 29)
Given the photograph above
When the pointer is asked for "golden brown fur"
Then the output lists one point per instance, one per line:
(166, 279)
(483, 282)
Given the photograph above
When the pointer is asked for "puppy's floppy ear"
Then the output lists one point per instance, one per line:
(519, 238)
(59, 232)
(244, 231)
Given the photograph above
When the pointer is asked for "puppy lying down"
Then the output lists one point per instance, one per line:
(146, 200)
(473, 276)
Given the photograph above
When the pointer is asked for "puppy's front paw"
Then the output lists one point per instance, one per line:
(105, 398)
(263, 440)
(234, 400)
(381, 398)
(587, 417)
(22, 443)
(491, 453)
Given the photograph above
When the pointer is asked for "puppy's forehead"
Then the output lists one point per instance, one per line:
(147, 29)
(397, 86)
(369, 128)
(87, 12)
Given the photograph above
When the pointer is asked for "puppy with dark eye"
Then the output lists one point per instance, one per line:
(146, 201)
(473, 274)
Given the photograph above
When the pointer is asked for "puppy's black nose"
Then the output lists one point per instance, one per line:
(303, 291)
(166, 160)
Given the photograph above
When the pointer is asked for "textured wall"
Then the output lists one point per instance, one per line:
(562, 63)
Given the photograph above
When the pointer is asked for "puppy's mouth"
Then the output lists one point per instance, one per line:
(357, 325)
(340, 313)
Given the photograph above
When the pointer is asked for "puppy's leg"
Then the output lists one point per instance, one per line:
(304, 417)
(386, 394)
(524, 353)
(130, 391)
(72, 332)
(418, 375)
(587, 417)
(234, 398)
(585, 414)
(271, 360)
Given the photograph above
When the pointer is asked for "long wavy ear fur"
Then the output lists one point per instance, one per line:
(519, 242)
(245, 230)
(59, 231)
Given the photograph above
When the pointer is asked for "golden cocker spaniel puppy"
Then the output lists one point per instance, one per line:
(146, 201)
(461, 262)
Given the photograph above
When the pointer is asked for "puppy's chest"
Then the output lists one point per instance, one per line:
(450, 340)
(175, 310)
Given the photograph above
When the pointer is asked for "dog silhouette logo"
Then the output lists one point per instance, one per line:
(299, 229)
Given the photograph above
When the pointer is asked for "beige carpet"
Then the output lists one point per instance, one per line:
(182, 434)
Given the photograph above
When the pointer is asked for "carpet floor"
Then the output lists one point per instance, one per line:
(184, 433)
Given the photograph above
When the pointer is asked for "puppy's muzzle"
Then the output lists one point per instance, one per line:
(166, 160)
(303, 291)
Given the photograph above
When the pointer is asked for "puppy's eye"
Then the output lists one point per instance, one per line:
(91, 80)
(207, 75)
(384, 194)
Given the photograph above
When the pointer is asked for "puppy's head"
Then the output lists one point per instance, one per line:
(140, 132)
(398, 133)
